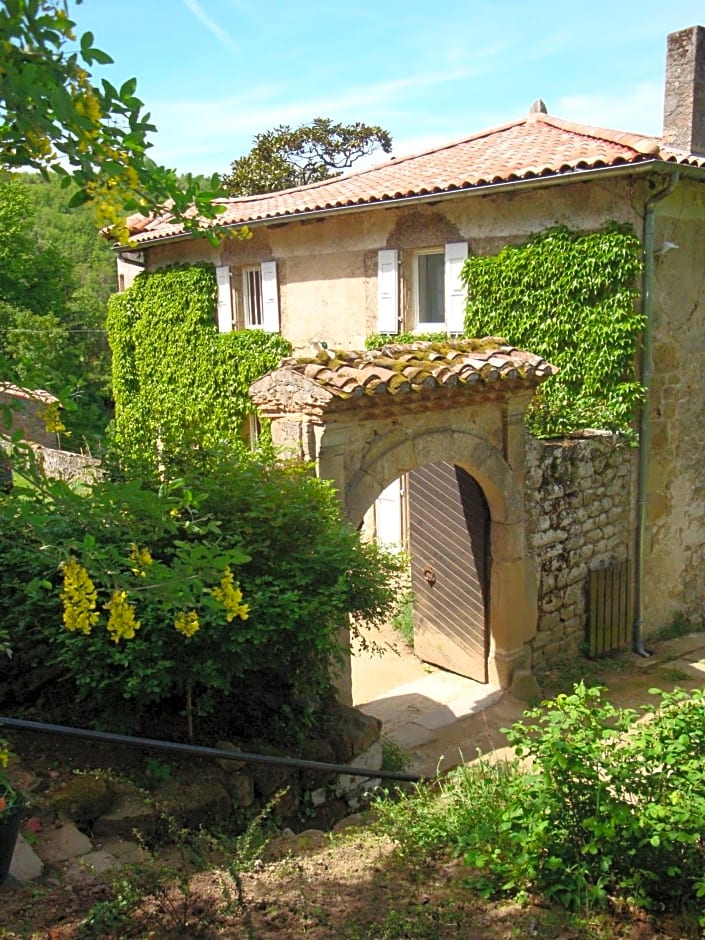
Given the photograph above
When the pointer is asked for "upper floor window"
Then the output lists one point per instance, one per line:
(252, 297)
(429, 290)
(248, 297)
(436, 299)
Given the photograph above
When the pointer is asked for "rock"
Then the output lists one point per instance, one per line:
(325, 816)
(125, 851)
(318, 750)
(133, 812)
(229, 766)
(200, 803)
(242, 789)
(353, 821)
(83, 799)
(268, 778)
(289, 843)
(61, 843)
(100, 860)
(354, 732)
(287, 802)
(25, 864)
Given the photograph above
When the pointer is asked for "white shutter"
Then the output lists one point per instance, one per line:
(388, 511)
(225, 299)
(456, 253)
(270, 297)
(388, 291)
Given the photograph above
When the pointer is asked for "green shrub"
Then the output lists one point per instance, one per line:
(604, 806)
(278, 531)
(403, 620)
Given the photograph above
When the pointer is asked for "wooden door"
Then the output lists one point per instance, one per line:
(449, 531)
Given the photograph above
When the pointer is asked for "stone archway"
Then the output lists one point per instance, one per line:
(366, 418)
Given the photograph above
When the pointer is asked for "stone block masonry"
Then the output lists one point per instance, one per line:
(580, 514)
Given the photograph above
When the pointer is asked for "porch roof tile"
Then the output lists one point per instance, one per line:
(398, 370)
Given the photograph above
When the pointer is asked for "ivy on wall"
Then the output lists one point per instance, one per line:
(569, 297)
(378, 340)
(180, 387)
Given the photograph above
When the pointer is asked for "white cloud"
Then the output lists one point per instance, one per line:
(637, 109)
(220, 34)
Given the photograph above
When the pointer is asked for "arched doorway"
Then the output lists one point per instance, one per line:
(365, 419)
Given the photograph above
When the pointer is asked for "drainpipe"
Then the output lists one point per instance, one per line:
(644, 423)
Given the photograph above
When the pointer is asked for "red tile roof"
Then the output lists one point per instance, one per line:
(535, 147)
(400, 372)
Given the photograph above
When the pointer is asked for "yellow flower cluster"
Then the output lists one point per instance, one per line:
(78, 598)
(121, 620)
(141, 560)
(186, 622)
(230, 597)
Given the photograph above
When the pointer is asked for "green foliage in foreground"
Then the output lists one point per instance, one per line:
(301, 568)
(604, 807)
(56, 274)
(55, 116)
(571, 298)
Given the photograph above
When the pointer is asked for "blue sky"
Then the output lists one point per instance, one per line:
(213, 73)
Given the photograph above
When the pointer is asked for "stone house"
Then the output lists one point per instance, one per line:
(33, 412)
(577, 531)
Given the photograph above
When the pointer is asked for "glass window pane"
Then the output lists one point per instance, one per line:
(253, 297)
(431, 288)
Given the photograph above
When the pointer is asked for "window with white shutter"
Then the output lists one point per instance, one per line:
(437, 289)
(270, 297)
(252, 297)
(225, 299)
(388, 291)
(256, 297)
(455, 256)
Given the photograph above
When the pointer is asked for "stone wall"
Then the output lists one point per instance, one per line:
(580, 511)
(64, 465)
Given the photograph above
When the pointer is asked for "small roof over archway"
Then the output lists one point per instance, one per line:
(402, 377)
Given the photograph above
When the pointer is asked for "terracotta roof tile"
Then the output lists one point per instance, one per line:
(534, 147)
(401, 370)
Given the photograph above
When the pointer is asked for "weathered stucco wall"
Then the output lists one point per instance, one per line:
(675, 551)
(327, 267)
(580, 508)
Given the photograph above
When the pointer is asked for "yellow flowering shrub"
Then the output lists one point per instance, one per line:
(230, 596)
(141, 560)
(186, 622)
(79, 598)
(122, 623)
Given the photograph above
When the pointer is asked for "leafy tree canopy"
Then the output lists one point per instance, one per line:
(286, 157)
(54, 117)
(56, 274)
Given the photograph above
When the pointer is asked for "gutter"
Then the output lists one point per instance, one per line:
(644, 422)
(568, 176)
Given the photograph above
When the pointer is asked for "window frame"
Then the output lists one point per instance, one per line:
(250, 297)
(420, 325)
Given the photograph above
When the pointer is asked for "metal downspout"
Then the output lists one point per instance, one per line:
(644, 422)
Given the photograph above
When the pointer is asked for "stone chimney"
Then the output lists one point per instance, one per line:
(684, 102)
